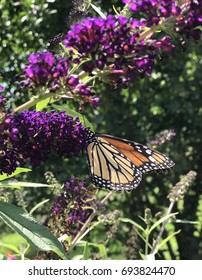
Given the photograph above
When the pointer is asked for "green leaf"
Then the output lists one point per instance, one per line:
(143, 256)
(69, 111)
(6, 185)
(42, 104)
(186, 222)
(16, 172)
(115, 10)
(86, 252)
(38, 205)
(161, 221)
(126, 220)
(35, 233)
(13, 242)
(102, 250)
(167, 239)
(9, 247)
(18, 185)
(74, 114)
(100, 13)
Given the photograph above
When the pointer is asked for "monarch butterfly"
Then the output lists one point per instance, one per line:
(118, 164)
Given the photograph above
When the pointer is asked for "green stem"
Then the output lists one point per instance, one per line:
(31, 103)
(85, 228)
(153, 250)
(147, 241)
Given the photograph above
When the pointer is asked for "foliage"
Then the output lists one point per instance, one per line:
(120, 225)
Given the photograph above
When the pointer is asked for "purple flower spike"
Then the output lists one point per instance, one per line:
(32, 136)
(112, 44)
(188, 15)
(72, 207)
(43, 69)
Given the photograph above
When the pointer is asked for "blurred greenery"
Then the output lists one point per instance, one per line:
(169, 99)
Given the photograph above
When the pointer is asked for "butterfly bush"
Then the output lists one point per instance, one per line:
(71, 208)
(188, 16)
(43, 69)
(115, 50)
(32, 136)
(114, 45)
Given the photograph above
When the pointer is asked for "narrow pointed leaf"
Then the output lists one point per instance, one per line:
(186, 222)
(100, 13)
(160, 221)
(115, 10)
(38, 205)
(167, 239)
(126, 220)
(10, 247)
(18, 184)
(86, 252)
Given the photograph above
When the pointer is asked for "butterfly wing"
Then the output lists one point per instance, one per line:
(109, 168)
(118, 164)
(144, 158)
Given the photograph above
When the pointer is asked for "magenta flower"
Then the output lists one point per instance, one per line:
(113, 45)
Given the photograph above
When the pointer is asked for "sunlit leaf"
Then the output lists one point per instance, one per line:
(74, 114)
(16, 172)
(160, 221)
(9, 184)
(35, 233)
(100, 13)
(42, 104)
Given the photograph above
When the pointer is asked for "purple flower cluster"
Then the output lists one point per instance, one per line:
(72, 208)
(43, 69)
(115, 49)
(188, 24)
(113, 44)
(188, 15)
(32, 136)
(154, 10)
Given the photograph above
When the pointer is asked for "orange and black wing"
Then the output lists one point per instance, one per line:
(144, 158)
(118, 164)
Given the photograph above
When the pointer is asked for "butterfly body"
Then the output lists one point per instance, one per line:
(118, 164)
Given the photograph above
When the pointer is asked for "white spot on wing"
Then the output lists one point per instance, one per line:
(148, 151)
(152, 159)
